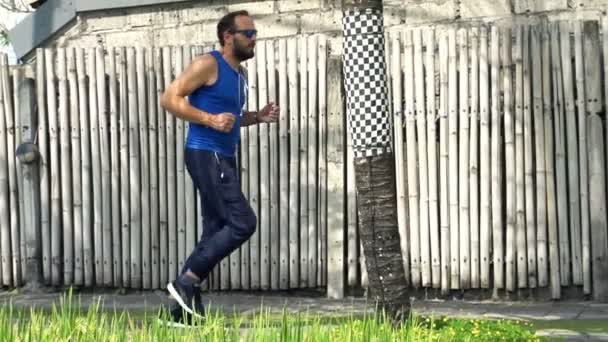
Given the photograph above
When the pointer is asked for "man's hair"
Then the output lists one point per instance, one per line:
(227, 23)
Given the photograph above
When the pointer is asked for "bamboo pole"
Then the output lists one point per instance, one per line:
(520, 216)
(144, 166)
(528, 163)
(12, 176)
(30, 193)
(596, 145)
(85, 170)
(303, 180)
(336, 134)
(463, 163)
(152, 131)
(582, 152)
(243, 260)
(510, 165)
(114, 169)
(95, 168)
(354, 246)
(283, 167)
(179, 170)
(76, 189)
(431, 135)
(18, 78)
(294, 263)
(162, 171)
(171, 174)
(45, 208)
(217, 274)
(541, 174)
(274, 170)
(125, 207)
(474, 158)
(253, 271)
(497, 206)
(598, 208)
(484, 157)
(5, 224)
(190, 198)
(443, 164)
(554, 262)
(560, 154)
(65, 171)
(264, 213)
(453, 159)
(104, 143)
(355, 255)
(412, 177)
(572, 162)
(134, 176)
(313, 160)
(322, 245)
(425, 264)
(399, 152)
(54, 165)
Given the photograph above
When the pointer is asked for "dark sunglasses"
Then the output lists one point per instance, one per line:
(248, 33)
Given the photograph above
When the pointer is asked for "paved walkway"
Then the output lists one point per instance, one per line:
(556, 319)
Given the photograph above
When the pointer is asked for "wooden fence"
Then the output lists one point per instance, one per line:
(118, 207)
(501, 162)
(499, 143)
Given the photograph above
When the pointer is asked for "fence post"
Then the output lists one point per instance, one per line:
(28, 155)
(335, 181)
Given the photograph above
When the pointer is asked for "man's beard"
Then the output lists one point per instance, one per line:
(243, 53)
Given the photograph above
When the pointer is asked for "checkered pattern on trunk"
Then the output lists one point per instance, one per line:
(366, 82)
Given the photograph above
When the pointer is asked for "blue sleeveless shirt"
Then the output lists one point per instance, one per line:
(227, 95)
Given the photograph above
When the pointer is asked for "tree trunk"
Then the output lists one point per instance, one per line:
(369, 121)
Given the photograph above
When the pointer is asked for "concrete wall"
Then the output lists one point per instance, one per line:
(9, 20)
(195, 22)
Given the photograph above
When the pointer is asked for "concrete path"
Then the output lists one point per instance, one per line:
(556, 319)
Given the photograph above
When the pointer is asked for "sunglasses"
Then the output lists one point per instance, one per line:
(248, 33)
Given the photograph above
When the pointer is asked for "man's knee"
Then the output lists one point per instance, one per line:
(247, 226)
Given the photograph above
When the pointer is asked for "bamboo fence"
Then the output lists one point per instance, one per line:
(499, 148)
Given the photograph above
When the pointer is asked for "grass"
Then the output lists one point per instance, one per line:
(66, 322)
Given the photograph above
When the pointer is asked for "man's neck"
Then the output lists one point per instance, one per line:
(231, 59)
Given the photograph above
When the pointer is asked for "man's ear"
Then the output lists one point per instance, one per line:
(226, 37)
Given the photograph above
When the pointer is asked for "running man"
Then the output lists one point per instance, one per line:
(210, 95)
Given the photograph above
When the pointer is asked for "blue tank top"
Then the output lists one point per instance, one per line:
(227, 95)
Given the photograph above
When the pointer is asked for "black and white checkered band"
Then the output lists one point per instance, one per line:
(366, 82)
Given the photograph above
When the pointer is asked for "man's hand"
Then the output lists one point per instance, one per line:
(270, 113)
(222, 122)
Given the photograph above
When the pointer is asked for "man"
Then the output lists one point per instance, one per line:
(216, 89)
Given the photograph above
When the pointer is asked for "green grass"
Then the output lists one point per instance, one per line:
(65, 322)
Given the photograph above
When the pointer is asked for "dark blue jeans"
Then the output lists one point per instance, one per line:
(228, 220)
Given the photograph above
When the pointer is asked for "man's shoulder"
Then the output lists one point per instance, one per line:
(203, 65)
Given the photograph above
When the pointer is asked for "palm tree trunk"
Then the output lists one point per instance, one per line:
(370, 127)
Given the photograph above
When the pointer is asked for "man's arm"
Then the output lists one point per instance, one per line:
(249, 118)
(197, 74)
(268, 114)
